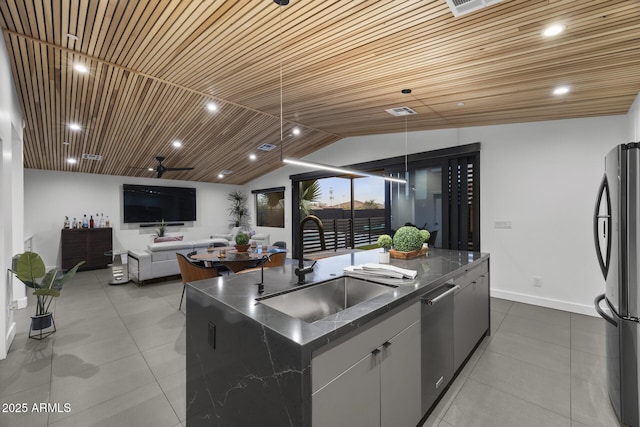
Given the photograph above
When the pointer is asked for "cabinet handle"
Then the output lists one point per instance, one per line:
(386, 344)
(376, 351)
(442, 295)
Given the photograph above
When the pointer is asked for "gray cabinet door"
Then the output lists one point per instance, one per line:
(470, 318)
(351, 399)
(400, 379)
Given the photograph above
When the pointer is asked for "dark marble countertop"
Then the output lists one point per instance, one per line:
(237, 293)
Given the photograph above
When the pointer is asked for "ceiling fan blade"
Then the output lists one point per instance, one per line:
(179, 169)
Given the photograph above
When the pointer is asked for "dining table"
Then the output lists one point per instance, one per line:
(232, 259)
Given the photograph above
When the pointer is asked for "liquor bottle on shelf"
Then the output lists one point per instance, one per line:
(85, 221)
(66, 222)
(107, 223)
(91, 223)
(74, 224)
(101, 222)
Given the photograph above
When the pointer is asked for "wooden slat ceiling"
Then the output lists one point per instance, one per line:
(155, 64)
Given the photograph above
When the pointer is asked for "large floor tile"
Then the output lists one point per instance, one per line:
(174, 387)
(532, 383)
(500, 305)
(588, 367)
(11, 416)
(101, 383)
(543, 314)
(165, 316)
(588, 342)
(581, 322)
(93, 354)
(536, 329)
(590, 404)
(26, 368)
(145, 406)
(543, 354)
(496, 320)
(480, 405)
(167, 359)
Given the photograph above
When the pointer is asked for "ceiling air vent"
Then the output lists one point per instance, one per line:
(461, 7)
(86, 156)
(400, 111)
(266, 147)
(226, 172)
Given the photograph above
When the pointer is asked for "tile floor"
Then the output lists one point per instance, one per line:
(118, 359)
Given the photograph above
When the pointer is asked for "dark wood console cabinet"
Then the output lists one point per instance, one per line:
(86, 244)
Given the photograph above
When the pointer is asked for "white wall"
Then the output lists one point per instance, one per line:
(50, 196)
(11, 199)
(541, 176)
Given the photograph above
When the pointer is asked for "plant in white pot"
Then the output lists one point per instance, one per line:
(28, 267)
(384, 241)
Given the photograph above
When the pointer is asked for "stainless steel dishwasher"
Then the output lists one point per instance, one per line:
(437, 342)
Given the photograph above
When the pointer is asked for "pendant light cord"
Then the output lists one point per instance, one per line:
(281, 84)
(406, 148)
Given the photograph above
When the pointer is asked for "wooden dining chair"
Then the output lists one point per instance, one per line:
(191, 272)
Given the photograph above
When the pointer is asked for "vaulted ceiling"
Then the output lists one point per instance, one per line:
(154, 65)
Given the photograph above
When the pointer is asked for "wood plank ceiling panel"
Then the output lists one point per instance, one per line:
(154, 66)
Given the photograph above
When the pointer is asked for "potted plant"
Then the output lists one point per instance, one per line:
(28, 267)
(425, 236)
(161, 229)
(384, 241)
(407, 243)
(238, 211)
(242, 242)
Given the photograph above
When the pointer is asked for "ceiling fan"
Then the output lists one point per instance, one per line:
(161, 169)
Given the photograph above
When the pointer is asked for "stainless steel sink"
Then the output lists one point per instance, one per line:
(315, 302)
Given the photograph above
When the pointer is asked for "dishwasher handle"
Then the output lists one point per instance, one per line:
(432, 301)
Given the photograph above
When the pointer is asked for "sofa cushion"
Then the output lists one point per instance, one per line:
(169, 246)
(204, 243)
(168, 239)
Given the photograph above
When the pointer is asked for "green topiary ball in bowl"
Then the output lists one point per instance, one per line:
(242, 238)
(407, 239)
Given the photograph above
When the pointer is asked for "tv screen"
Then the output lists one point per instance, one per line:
(147, 203)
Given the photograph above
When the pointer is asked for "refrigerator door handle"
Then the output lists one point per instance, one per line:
(601, 312)
(603, 191)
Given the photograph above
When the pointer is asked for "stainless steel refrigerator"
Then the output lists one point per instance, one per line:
(617, 236)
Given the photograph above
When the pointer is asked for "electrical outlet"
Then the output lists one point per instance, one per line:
(537, 281)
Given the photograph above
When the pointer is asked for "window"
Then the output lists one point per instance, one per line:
(270, 207)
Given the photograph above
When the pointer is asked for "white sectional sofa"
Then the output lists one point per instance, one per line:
(159, 259)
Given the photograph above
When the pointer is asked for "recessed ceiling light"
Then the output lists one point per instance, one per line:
(553, 30)
(220, 176)
(72, 161)
(252, 157)
(80, 68)
(212, 106)
(561, 90)
(151, 169)
(65, 142)
(74, 126)
(177, 144)
(460, 104)
(296, 131)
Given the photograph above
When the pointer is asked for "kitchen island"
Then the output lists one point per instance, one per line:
(250, 364)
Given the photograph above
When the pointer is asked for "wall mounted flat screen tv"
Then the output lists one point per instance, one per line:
(148, 203)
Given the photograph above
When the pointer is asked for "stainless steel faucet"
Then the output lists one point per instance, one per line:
(302, 271)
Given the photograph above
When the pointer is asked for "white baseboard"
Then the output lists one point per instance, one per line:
(572, 307)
